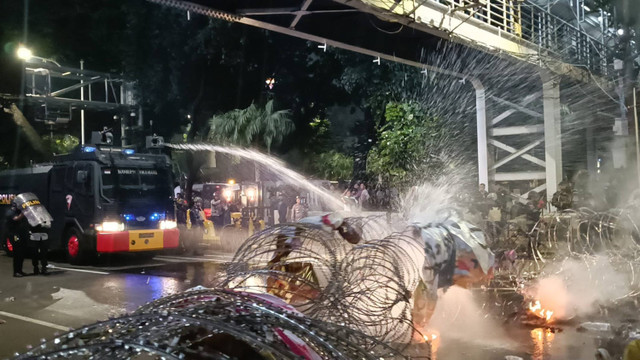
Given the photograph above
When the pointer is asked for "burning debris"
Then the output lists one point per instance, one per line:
(537, 310)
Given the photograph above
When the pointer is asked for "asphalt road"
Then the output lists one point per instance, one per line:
(37, 307)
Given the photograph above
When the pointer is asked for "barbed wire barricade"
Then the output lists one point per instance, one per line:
(368, 287)
(296, 262)
(214, 324)
(582, 234)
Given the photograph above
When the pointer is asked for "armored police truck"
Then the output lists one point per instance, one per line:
(102, 200)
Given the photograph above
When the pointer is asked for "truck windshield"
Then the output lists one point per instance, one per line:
(128, 183)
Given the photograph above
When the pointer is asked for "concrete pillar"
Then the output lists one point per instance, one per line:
(552, 132)
(481, 124)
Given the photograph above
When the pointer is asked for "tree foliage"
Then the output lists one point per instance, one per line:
(321, 158)
(60, 144)
(189, 163)
(253, 125)
(406, 143)
(332, 165)
(187, 69)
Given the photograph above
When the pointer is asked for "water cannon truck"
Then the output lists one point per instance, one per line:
(103, 199)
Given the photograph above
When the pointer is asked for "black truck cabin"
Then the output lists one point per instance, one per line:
(102, 200)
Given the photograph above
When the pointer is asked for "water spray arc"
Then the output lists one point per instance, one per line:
(269, 162)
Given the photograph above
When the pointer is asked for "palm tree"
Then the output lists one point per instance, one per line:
(244, 127)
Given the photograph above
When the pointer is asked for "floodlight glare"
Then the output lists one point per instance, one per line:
(24, 53)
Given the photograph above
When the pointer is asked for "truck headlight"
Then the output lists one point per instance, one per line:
(110, 226)
(168, 224)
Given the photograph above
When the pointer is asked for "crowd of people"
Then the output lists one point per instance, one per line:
(285, 210)
(357, 196)
(499, 206)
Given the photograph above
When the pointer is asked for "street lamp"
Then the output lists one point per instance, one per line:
(26, 54)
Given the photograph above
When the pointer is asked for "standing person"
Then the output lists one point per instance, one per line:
(282, 210)
(273, 211)
(363, 196)
(217, 211)
(181, 206)
(18, 229)
(480, 199)
(482, 191)
(39, 248)
(563, 198)
(357, 191)
(197, 227)
(298, 210)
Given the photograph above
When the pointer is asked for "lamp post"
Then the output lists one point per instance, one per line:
(82, 110)
(26, 55)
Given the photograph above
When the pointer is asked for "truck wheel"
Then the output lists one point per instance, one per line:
(75, 247)
(8, 247)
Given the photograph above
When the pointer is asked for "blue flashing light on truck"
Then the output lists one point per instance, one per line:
(102, 200)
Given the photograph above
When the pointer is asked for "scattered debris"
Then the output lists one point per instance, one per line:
(602, 354)
(594, 326)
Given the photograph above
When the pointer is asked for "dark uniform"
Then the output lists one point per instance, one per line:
(197, 228)
(18, 232)
(563, 198)
(39, 248)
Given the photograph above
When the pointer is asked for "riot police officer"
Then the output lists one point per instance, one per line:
(18, 231)
(39, 245)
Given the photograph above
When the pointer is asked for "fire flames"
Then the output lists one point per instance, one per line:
(431, 337)
(537, 309)
(427, 335)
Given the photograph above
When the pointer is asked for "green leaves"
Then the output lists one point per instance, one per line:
(60, 144)
(406, 142)
(245, 127)
(332, 165)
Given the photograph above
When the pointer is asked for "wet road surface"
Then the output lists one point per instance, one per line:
(37, 307)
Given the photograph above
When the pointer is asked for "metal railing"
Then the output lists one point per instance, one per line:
(563, 40)
(553, 37)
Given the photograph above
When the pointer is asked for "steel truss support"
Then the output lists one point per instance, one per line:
(523, 125)
(526, 101)
(518, 107)
(512, 150)
(518, 153)
(516, 130)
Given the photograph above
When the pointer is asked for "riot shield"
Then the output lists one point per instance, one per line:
(33, 210)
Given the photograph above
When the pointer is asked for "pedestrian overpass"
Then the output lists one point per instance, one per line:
(527, 128)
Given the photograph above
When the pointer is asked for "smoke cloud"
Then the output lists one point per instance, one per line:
(458, 316)
(577, 286)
